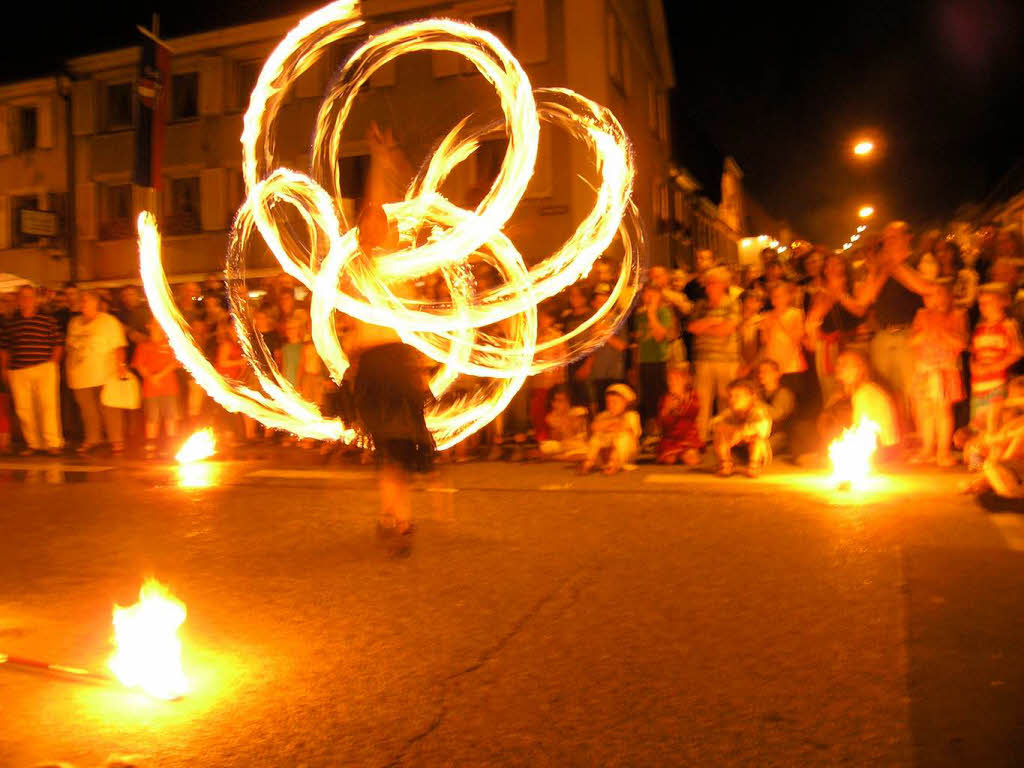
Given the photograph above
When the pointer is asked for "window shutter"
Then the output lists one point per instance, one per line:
(540, 185)
(83, 107)
(232, 99)
(5, 130)
(86, 210)
(531, 31)
(385, 76)
(45, 127)
(213, 208)
(5, 222)
(445, 63)
(211, 86)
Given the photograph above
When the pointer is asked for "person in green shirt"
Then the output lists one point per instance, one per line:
(655, 330)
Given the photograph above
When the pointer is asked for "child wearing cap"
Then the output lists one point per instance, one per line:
(615, 432)
(995, 346)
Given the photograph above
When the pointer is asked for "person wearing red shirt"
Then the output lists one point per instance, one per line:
(155, 361)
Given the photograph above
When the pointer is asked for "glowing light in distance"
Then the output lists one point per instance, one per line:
(851, 454)
(201, 445)
(864, 148)
(147, 649)
(862, 227)
(854, 238)
(846, 246)
(866, 212)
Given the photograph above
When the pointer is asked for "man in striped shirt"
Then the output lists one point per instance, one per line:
(30, 350)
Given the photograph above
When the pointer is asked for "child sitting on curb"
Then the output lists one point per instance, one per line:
(677, 417)
(745, 423)
(615, 433)
(566, 438)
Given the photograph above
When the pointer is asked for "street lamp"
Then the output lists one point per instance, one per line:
(864, 148)
(866, 212)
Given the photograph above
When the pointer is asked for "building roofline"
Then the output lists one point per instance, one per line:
(223, 37)
(35, 86)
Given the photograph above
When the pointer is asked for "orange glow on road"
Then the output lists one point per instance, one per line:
(148, 651)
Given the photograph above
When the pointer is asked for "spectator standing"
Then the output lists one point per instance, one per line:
(749, 331)
(96, 354)
(832, 321)
(655, 326)
(572, 318)
(716, 350)
(782, 338)
(30, 350)
(995, 347)
(895, 290)
(607, 364)
(155, 361)
(938, 336)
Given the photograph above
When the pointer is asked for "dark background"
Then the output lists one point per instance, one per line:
(782, 88)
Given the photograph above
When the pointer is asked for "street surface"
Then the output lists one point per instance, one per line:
(661, 617)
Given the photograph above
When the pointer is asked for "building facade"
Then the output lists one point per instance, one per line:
(34, 176)
(613, 51)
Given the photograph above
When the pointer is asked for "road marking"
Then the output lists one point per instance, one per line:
(1011, 527)
(65, 467)
(310, 474)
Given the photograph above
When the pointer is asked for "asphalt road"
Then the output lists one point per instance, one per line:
(657, 618)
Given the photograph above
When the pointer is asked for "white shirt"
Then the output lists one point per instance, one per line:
(91, 347)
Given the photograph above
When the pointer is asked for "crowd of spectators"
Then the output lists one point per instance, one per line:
(715, 366)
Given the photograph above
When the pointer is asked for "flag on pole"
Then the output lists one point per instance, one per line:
(151, 92)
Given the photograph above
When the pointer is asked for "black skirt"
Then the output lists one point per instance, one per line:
(389, 398)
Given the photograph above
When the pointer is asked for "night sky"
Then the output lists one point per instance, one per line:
(782, 90)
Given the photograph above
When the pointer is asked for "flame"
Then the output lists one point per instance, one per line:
(320, 247)
(201, 445)
(851, 454)
(148, 651)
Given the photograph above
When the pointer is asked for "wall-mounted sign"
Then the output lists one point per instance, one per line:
(38, 223)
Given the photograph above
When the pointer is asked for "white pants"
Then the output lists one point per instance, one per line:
(711, 380)
(37, 403)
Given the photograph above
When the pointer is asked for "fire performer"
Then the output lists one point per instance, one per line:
(390, 392)
(391, 384)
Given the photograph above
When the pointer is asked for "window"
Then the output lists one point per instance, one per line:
(248, 73)
(184, 206)
(21, 203)
(119, 106)
(185, 96)
(501, 25)
(652, 106)
(616, 54)
(663, 117)
(489, 157)
(116, 212)
(27, 128)
(354, 170)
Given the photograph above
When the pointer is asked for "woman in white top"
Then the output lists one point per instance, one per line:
(96, 347)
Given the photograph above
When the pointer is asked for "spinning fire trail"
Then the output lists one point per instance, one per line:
(434, 235)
